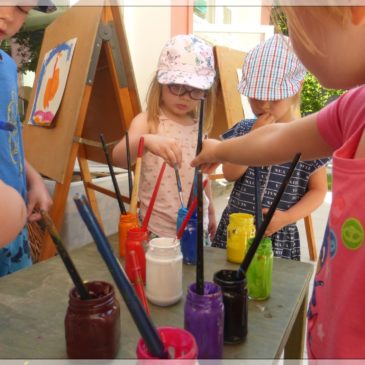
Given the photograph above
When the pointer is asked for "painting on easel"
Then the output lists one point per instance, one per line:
(52, 82)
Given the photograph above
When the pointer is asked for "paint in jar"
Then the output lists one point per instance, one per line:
(137, 239)
(239, 230)
(234, 290)
(164, 271)
(126, 221)
(92, 326)
(188, 240)
(259, 273)
(204, 318)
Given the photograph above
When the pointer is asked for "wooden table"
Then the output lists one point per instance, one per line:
(34, 301)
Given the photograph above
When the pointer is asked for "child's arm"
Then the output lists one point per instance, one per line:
(12, 218)
(38, 196)
(212, 225)
(272, 144)
(233, 172)
(312, 199)
(164, 147)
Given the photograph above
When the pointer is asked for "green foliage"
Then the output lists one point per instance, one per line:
(28, 48)
(314, 97)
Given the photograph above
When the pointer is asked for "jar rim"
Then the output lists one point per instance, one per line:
(159, 242)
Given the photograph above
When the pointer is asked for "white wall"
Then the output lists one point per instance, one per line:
(148, 29)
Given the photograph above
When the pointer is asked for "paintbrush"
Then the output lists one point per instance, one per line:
(198, 147)
(188, 215)
(139, 315)
(179, 186)
(258, 205)
(114, 180)
(138, 281)
(261, 231)
(153, 198)
(200, 240)
(129, 166)
(52, 230)
(137, 175)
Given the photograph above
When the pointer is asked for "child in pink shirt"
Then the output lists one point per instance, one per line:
(330, 43)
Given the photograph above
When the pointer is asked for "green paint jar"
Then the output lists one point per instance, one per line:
(259, 273)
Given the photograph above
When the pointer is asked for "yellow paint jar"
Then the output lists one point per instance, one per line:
(240, 229)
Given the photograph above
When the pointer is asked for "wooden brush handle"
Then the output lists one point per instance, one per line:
(137, 175)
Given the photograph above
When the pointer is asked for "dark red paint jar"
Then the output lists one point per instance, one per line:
(92, 326)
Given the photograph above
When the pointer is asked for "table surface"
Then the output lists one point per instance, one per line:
(34, 302)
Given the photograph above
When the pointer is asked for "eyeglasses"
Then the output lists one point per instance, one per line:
(181, 90)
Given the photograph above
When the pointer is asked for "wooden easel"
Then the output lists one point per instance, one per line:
(100, 97)
(230, 111)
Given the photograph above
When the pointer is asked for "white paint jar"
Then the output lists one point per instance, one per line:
(164, 271)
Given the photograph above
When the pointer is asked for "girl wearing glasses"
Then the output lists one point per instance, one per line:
(185, 75)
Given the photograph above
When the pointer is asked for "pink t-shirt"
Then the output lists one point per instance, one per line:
(336, 313)
(167, 204)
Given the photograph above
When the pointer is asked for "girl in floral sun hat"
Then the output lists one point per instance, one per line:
(272, 78)
(185, 75)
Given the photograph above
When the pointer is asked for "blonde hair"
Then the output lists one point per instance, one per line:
(339, 13)
(154, 104)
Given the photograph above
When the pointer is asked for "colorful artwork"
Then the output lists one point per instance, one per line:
(51, 85)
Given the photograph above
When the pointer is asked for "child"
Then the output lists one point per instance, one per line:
(184, 76)
(15, 172)
(330, 43)
(271, 79)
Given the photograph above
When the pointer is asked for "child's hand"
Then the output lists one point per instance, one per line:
(166, 148)
(207, 159)
(262, 120)
(38, 199)
(278, 221)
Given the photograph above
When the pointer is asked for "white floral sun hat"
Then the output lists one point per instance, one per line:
(271, 70)
(187, 60)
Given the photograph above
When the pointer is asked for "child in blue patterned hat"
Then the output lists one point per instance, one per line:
(20, 184)
(272, 77)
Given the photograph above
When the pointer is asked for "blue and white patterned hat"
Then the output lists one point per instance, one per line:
(271, 71)
(45, 6)
(187, 60)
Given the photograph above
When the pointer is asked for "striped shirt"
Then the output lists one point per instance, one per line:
(286, 242)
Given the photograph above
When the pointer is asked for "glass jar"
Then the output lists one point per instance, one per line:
(204, 318)
(234, 290)
(92, 326)
(188, 240)
(137, 239)
(180, 343)
(240, 229)
(126, 221)
(164, 271)
(259, 272)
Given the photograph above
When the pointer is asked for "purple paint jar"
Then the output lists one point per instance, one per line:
(204, 319)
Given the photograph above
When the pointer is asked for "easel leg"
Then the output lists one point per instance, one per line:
(310, 238)
(86, 178)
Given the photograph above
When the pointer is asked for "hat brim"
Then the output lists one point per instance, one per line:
(45, 6)
(202, 82)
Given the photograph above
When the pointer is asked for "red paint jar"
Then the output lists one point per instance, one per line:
(92, 326)
(137, 241)
(179, 343)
